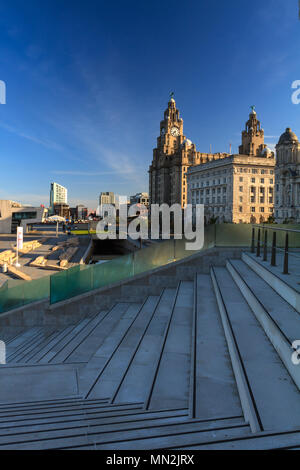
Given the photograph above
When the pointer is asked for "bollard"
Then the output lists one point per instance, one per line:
(258, 244)
(266, 246)
(286, 255)
(273, 259)
(253, 241)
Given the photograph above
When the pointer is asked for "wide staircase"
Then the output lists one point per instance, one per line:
(207, 364)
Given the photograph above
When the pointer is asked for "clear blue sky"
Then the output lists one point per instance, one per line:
(88, 81)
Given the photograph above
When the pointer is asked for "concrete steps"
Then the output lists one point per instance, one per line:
(266, 377)
(280, 321)
(64, 413)
(22, 341)
(112, 336)
(205, 364)
(287, 286)
(214, 391)
(64, 348)
(153, 430)
(172, 378)
(137, 380)
(166, 436)
(35, 345)
(111, 375)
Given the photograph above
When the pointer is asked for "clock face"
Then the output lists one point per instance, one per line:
(163, 131)
(175, 131)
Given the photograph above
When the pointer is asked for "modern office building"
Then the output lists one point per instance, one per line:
(13, 215)
(58, 195)
(287, 178)
(237, 188)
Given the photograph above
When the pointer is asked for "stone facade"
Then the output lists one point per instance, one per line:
(233, 188)
(238, 188)
(287, 178)
(172, 157)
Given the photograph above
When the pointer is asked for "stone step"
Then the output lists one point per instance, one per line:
(63, 341)
(23, 406)
(280, 321)
(172, 379)
(214, 392)
(35, 346)
(95, 421)
(61, 337)
(137, 379)
(37, 355)
(94, 325)
(23, 342)
(52, 415)
(139, 436)
(112, 334)
(112, 374)
(92, 342)
(10, 333)
(274, 394)
(263, 441)
(167, 437)
(76, 334)
(287, 286)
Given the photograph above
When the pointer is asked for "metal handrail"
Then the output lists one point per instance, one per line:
(265, 244)
(270, 227)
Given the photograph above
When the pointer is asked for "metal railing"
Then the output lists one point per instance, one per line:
(260, 244)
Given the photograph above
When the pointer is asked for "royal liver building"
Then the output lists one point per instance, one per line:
(287, 178)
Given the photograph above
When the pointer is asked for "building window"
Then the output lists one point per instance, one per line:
(241, 179)
(262, 209)
(271, 181)
(262, 180)
(241, 198)
(241, 209)
(241, 189)
(252, 209)
(252, 180)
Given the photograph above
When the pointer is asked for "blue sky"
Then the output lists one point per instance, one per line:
(88, 81)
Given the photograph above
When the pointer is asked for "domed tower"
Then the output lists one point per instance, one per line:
(287, 178)
(288, 148)
(252, 137)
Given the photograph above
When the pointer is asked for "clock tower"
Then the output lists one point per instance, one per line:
(171, 158)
